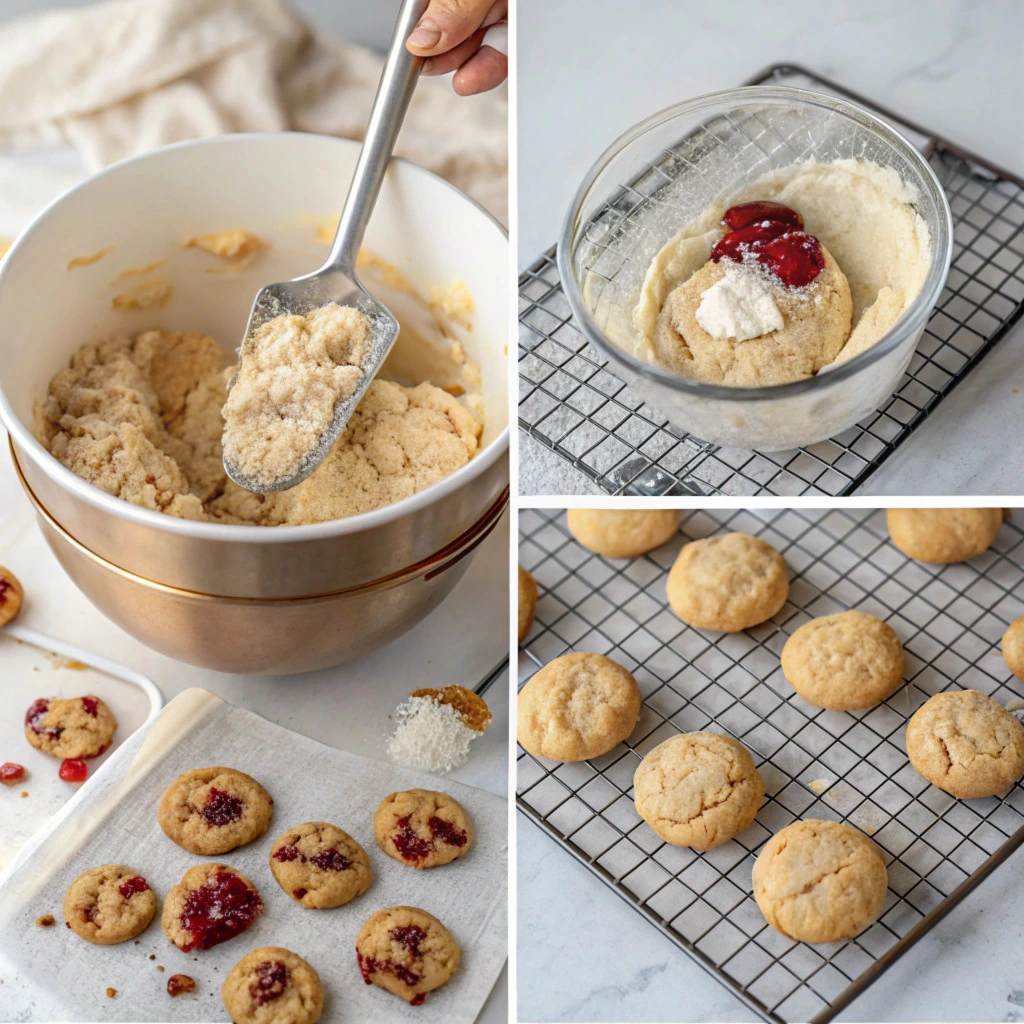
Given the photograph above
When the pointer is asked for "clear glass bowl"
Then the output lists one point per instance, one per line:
(658, 176)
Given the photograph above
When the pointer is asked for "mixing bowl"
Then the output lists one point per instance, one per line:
(281, 186)
(664, 172)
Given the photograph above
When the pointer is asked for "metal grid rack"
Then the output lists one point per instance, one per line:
(950, 619)
(571, 403)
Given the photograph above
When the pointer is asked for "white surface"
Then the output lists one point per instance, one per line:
(115, 821)
(583, 80)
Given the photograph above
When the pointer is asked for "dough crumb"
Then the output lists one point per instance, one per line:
(46, 921)
(111, 993)
(229, 245)
(145, 295)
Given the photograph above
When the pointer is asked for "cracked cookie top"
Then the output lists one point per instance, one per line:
(820, 881)
(622, 533)
(76, 727)
(320, 866)
(423, 828)
(273, 985)
(943, 535)
(698, 789)
(966, 744)
(109, 904)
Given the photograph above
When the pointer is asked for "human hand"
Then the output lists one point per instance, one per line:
(469, 37)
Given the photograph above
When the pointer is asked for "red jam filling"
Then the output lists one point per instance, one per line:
(11, 772)
(368, 966)
(178, 983)
(447, 832)
(73, 769)
(770, 233)
(299, 893)
(34, 719)
(130, 886)
(91, 705)
(222, 808)
(286, 853)
(408, 843)
(219, 910)
(5, 585)
(331, 860)
(271, 981)
(410, 936)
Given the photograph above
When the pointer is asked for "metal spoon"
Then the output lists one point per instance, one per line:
(337, 281)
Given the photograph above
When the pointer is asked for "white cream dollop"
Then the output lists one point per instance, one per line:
(739, 306)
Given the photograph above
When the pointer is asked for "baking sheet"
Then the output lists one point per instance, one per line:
(114, 818)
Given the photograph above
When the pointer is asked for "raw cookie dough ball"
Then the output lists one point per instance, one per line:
(966, 744)
(1013, 647)
(422, 828)
(273, 986)
(109, 904)
(844, 662)
(210, 811)
(78, 727)
(11, 596)
(816, 323)
(728, 583)
(406, 951)
(577, 707)
(819, 881)
(320, 866)
(622, 533)
(943, 535)
(527, 602)
(698, 790)
(211, 904)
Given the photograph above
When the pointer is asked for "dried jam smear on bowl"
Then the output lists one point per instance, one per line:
(414, 847)
(219, 910)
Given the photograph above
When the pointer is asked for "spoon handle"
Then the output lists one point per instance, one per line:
(398, 80)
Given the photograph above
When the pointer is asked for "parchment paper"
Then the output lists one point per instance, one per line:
(114, 819)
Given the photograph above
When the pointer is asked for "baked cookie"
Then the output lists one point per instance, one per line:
(320, 866)
(527, 602)
(819, 881)
(272, 985)
(943, 535)
(622, 533)
(212, 810)
(11, 596)
(211, 904)
(1013, 647)
(698, 789)
(844, 662)
(966, 744)
(78, 727)
(422, 828)
(577, 707)
(727, 583)
(109, 904)
(406, 951)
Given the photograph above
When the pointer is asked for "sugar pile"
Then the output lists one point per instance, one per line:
(430, 736)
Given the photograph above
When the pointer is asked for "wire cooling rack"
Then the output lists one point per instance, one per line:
(950, 619)
(570, 402)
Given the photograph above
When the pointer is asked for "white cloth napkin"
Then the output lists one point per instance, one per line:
(124, 76)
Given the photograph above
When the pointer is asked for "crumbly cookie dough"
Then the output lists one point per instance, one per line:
(728, 583)
(820, 881)
(292, 372)
(422, 828)
(210, 811)
(109, 904)
(943, 535)
(577, 707)
(273, 985)
(77, 727)
(622, 533)
(698, 790)
(320, 866)
(527, 602)
(407, 952)
(1013, 647)
(236, 244)
(966, 744)
(211, 904)
(844, 662)
(878, 255)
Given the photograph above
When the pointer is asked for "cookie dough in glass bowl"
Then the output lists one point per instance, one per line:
(758, 264)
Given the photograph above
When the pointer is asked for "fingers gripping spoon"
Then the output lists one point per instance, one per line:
(337, 281)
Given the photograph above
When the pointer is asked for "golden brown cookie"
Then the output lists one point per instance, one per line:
(320, 866)
(109, 904)
(727, 583)
(622, 533)
(11, 596)
(78, 727)
(844, 662)
(211, 904)
(527, 602)
(273, 985)
(422, 828)
(577, 707)
(212, 810)
(942, 535)
(1013, 647)
(406, 951)
(819, 881)
(966, 744)
(698, 789)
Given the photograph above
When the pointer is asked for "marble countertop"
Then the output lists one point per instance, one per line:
(950, 66)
